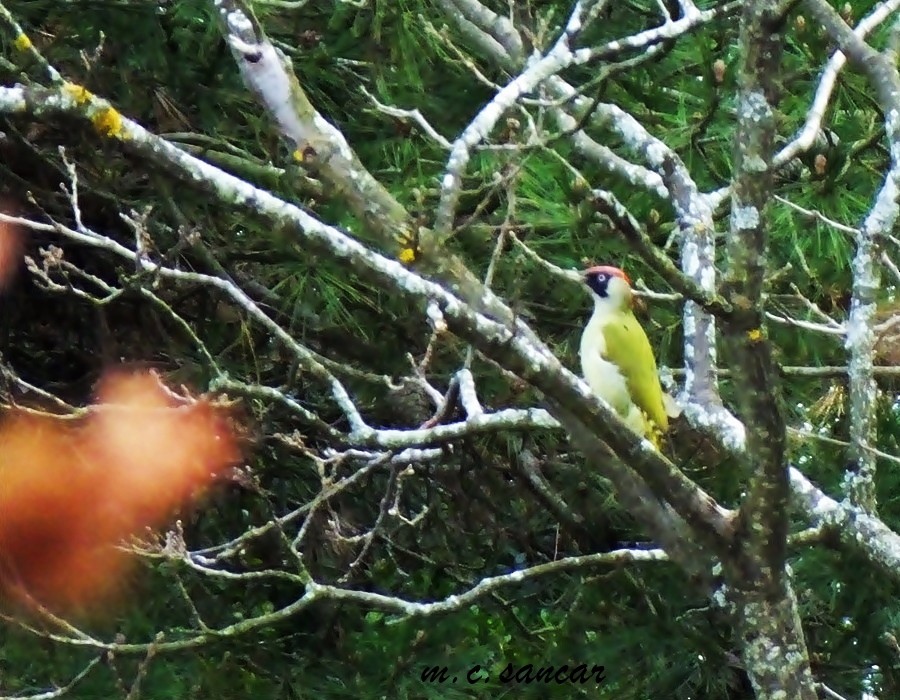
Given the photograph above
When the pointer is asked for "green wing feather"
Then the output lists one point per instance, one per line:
(628, 347)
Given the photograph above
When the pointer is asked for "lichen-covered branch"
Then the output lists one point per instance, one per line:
(773, 645)
(855, 527)
(774, 648)
(881, 70)
(323, 147)
(877, 67)
(861, 338)
(500, 28)
(764, 513)
(811, 129)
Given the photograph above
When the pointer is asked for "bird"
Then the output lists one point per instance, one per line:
(617, 360)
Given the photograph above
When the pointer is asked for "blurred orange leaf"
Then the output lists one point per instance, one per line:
(72, 490)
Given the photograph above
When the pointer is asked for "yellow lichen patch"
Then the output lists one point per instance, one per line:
(108, 122)
(754, 335)
(407, 255)
(80, 94)
(22, 42)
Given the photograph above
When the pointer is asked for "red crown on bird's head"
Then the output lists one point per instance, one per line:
(608, 270)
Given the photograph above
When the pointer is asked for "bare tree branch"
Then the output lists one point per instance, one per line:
(816, 113)
(62, 690)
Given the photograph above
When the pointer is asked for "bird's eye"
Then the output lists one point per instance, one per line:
(601, 277)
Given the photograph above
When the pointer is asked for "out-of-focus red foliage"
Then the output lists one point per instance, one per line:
(11, 249)
(72, 490)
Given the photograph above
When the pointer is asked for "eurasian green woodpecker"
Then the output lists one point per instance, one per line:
(616, 358)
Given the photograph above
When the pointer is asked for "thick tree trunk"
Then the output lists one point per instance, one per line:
(773, 648)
